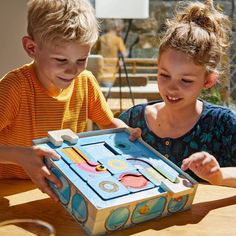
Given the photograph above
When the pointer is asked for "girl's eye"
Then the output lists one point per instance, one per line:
(163, 76)
(187, 81)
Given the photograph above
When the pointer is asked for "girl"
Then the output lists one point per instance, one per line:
(192, 133)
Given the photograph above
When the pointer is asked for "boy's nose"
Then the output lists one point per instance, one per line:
(72, 69)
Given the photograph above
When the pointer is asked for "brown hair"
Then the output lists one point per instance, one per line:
(200, 31)
(50, 20)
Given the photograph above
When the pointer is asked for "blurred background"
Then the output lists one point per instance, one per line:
(142, 41)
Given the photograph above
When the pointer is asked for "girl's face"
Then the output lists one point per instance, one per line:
(57, 65)
(179, 80)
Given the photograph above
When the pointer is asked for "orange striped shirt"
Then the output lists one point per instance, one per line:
(28, 112)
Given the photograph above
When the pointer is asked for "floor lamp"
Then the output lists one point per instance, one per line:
(122, 9)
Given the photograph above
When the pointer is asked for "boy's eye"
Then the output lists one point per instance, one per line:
(81, 61)
(60, 60)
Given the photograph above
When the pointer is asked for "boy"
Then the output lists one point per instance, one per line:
(53, 92)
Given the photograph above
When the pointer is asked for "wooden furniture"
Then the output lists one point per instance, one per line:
(213, 212)
(135, 66)
(149, 91)
(114, 104)
(142, 74)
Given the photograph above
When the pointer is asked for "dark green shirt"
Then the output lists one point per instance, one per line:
(215, 133)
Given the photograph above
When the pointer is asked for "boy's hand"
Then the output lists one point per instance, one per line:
(205, 166)
(135, 133)
(34, 165)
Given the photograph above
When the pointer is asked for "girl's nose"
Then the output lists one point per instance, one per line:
(173, 86)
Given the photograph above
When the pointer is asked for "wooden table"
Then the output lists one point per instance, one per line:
(213, 212)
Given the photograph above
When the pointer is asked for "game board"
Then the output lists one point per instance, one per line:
(111, 183)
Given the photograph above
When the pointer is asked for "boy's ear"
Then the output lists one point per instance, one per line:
(210, 80)
(29, 46)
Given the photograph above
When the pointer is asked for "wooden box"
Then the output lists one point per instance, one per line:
(110, 183)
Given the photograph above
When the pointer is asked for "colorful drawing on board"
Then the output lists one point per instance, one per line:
(148, 210)
(117, 219)
(79, 208)
(176, 204)
(64, 192)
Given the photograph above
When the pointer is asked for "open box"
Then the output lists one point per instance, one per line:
(111, 183)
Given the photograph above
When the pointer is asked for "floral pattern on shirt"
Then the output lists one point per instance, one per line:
(215, 133)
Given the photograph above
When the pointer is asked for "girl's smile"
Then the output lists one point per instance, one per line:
(180, 80)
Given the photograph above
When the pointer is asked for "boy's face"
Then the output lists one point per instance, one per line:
(180, 80)
(58, 64)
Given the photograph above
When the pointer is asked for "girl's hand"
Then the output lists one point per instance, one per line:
(32, 161)
(135, 133)
(205, 166)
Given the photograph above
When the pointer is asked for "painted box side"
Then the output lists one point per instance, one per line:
(94, 169)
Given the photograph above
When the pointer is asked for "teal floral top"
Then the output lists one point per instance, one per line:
(215, 133)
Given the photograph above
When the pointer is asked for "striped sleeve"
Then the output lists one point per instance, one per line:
(99, 111)
(10, 95)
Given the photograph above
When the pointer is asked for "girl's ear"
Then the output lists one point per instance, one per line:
(211, 80)
(29, 46)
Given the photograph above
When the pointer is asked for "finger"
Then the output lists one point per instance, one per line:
(135, 134)
(214, 169)
(51, 153)
(193, 161)
(45, 152)
(51, 177)
(190, 163)
(185, 164)
(197, 157)
(45, 188)
(210, 161)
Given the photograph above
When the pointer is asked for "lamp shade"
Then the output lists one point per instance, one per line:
(122, 9)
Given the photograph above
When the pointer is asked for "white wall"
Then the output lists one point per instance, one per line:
(13, 14)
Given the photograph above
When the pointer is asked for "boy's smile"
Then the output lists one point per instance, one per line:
(57, 65)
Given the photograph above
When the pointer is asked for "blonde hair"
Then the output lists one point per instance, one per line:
(65, 20)
(200, 31)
